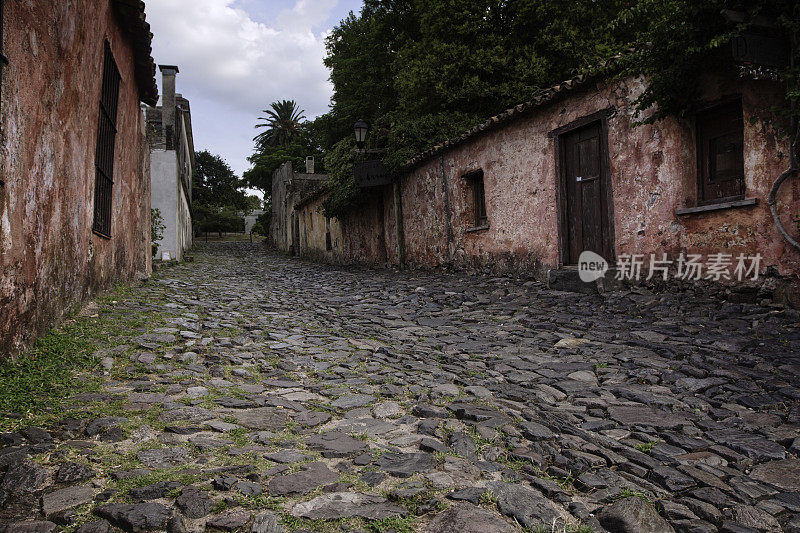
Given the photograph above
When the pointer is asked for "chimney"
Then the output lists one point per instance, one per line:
(168, 73)
(310, 164)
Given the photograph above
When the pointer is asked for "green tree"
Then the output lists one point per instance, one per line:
(261, 227)
(219, 220)
(215, 184)
(288, 138)
(268, 159)
(422, 71)
(253, 203)
(679, 41)
(283, 122)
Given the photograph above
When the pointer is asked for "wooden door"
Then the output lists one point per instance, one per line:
(585, 203)
(295, 234)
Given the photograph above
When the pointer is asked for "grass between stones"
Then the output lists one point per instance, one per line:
(36, 382)
(396, 524)
(35, 387)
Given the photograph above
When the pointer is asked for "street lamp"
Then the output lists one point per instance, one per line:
(360, 128)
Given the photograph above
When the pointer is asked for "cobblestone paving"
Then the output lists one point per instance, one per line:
(282, 395)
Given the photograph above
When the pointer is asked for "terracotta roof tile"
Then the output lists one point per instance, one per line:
(132, 18)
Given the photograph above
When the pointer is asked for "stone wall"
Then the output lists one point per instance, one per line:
(653, 173)
(280, 207)
(289, 188)
(51, 261)
(315, 228)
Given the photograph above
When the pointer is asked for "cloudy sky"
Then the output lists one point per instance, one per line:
(238, 56)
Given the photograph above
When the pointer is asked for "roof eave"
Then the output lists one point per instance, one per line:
(132, 18)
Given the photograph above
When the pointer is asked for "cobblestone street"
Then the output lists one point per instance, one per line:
(282, 395)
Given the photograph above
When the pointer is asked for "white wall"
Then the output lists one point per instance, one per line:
(164, 197)
(184, 226)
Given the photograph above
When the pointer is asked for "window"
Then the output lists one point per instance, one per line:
(475, 181)
(104, 156)
(720, 154)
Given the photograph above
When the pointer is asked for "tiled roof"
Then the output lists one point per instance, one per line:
(133, 20)
(545, 96)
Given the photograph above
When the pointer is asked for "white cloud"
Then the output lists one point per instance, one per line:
(306, 14)
(232, 66)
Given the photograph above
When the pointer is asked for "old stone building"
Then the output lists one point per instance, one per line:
(289, 188)
(530, 189)
(320, 236)
(171, 166)
(74, 162)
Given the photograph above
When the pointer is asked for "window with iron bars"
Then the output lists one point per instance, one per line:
(106, 135)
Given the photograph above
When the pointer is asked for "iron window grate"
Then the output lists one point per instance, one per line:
(106, 137)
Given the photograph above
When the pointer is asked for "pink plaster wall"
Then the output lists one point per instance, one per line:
(653, 173)
(51, 261)
(367, 233)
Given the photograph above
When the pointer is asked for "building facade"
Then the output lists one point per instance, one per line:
(576, 174)
(74, 162)
(172, 164)
(289, 188)
(529, 190)
(320, 236)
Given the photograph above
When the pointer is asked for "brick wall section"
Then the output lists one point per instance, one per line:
(51, 261)
(653, 173)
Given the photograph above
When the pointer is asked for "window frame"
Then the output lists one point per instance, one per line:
(477, 192)
(709, 126)
(106, 143)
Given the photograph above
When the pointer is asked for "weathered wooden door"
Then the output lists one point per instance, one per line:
(585, 203)
(295, 234)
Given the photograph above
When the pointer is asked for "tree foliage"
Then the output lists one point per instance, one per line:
(422, 71)
(289, 138)
(679, 41)
(217, 195)
(212, 219)
(283, 123)
(215, 184)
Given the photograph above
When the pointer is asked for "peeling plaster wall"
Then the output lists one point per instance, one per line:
(313, 229)
(165, 196)
(289, 188)
(653, 173)
(368, 231)
(280, 207)
(51, 261)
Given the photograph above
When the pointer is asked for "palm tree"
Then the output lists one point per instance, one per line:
(283, 122)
